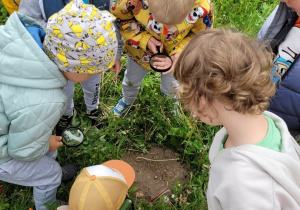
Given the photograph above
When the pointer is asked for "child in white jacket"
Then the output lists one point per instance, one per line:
(254, 159)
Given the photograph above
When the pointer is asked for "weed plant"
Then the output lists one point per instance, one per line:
(150, 121)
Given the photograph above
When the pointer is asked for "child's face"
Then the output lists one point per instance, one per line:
(294, 4)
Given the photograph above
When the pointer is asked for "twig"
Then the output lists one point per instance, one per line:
(206, 166)
(161, 192)
(108, 154)
(163, 114)
(18, 193)
(155, 160)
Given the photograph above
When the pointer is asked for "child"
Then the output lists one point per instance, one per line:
(31, 98)
(41, 11)
(255, 162)
(101, 186)
(283, 27)
(169, 24)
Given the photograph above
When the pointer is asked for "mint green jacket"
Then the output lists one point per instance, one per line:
(31, 97)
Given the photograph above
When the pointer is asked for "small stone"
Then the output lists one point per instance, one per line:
(139, 194)
(155, 177)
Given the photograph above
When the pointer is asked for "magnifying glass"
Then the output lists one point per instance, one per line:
(72, 136)
(160, 62)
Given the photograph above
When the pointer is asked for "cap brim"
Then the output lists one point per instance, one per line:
(124, 168)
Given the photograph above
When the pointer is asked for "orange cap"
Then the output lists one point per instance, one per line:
(101, 186)
(124, 168)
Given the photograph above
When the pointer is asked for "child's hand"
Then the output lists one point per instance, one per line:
(116, 68)
(162, 62)
(174, 58)
(54, 142)
(152, 43)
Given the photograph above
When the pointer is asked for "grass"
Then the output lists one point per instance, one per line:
(149, 122)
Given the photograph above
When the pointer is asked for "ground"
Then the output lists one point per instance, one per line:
(156, 171)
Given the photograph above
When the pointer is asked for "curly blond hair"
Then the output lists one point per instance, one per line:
(170, 12)
(227, 66)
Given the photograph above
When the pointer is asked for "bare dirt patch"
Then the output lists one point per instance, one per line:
(154, 170)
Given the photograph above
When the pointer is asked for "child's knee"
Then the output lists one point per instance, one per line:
(55, 174)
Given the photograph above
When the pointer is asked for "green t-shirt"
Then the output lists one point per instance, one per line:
(271, 141)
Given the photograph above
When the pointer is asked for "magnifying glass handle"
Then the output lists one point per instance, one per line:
(158, 48)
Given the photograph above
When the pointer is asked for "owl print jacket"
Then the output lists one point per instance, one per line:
(137, 26)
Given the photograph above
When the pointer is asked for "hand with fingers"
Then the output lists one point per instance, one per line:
(153, 43)
(55, 142)
(162, 62)
(174, 58)
(116, 68)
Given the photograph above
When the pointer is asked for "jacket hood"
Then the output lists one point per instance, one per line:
(284, 166)
(23, 63)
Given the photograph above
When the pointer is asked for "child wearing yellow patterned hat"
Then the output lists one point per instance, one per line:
(32, 100)
(81, 40)
(41, 11)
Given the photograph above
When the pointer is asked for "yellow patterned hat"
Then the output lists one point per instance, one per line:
(81, 39)
(102, 187)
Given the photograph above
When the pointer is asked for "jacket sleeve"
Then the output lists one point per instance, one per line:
(120, 43)
(264, 29)
(119, 37)
(125, 18)
(203, 23)
(31, 127)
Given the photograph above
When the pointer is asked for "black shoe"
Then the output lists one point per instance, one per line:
(61, 203)
(64, 122)
(95, 116)
(69, 171)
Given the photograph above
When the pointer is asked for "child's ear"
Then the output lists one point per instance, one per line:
(202, 101)
(76, 77)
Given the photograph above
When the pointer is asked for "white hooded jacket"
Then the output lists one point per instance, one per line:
(254, 177)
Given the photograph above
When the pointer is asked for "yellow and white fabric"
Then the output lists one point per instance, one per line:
(81, 39)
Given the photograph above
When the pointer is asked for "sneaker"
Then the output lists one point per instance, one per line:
(69, 171)
(95, 116)
(64, 122)
(119, 109)
(61, 203)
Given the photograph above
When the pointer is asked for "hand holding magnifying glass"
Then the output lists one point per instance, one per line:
(72, 137)
(161, 62)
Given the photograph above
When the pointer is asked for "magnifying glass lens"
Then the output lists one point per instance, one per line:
(72, 136)
(161, 62)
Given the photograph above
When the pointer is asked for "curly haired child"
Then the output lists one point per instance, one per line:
(254, 159)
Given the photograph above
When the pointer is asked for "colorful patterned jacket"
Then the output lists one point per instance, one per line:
(138, 25)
